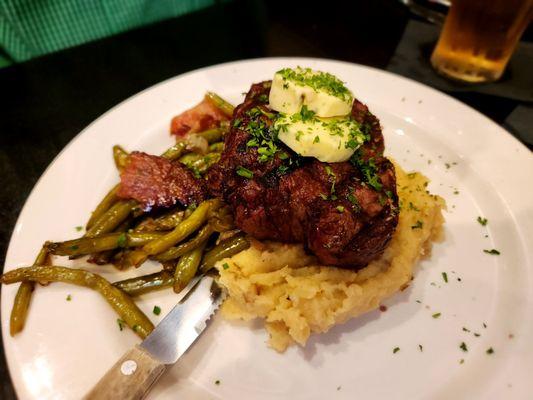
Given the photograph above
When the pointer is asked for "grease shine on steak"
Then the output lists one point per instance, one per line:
(345, 213)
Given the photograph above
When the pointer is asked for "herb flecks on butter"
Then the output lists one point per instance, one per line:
(327, 139)
(321, 92)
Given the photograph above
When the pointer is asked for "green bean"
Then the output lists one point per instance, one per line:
(108, 241)
(112, 218)
(189, 158)
(177, 251)
(222, 104)
(217, 147)
(120, 301)
(104, 205)
(187, 267)
(163, 223)
(224, 249)
(212, 135)
(120, 156)
(21, 304)
(175, 151)
(204, 163)
(146, 283)
(180, 232)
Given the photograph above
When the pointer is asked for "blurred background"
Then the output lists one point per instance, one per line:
(65, 62)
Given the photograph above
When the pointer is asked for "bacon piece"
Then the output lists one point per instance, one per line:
(205, 115)
(157, 182)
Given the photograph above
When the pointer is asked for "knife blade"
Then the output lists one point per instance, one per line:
(136, 372)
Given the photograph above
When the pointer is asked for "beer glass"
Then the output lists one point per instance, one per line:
(479, 37)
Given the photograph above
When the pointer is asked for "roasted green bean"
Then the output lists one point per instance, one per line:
(104, 205)
(222, 104)
(189, 158)
(120, 301)
(217, 147)
(165, 222)
(146, 283)
(21, 304)
(205, 162)
(120, 156)
(108, 241)
(177, 251)
(184, 229)
(187, 267)
(224, 249)
(212, 135)
(112, 218)
(175, 151)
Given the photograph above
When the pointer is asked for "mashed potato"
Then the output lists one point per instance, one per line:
(296, 297)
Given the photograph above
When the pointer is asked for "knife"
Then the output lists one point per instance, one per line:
(137, 371)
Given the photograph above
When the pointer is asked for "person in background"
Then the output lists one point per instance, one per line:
(31, 28)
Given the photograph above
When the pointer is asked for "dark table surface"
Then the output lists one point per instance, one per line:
(45, 102)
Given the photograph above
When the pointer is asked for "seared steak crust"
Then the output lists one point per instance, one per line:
(345, 213)
(157, 182)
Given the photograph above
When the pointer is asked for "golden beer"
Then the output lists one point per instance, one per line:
(479, 37)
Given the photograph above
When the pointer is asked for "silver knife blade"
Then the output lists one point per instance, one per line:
(185, 322)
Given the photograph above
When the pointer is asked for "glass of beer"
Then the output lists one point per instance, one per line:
(479, 37)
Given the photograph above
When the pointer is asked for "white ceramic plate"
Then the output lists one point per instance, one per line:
(474, 164)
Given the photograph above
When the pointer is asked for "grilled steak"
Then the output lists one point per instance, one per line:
(157, 182)
(345, 213)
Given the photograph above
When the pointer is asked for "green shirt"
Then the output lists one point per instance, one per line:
(30, 28)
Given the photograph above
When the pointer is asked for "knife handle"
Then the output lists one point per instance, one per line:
(130, 378)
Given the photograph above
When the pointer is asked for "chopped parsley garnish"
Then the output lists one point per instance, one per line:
(317, 80)
(79, 228)
(237, 122)
(262, 136)
(122, 240)
(263, 98)
(69, 297)
(436, 315)
(395, 350)
(74, 247)
(368, 169)
(316, 139)
(282, 169)
(340, 208)
(418, 225)
(463, 347)
(330, 172)
(225, 266)
(244, 172)
(482, 221)
(306, 114)
(445, 277)
(493, 252)
(121, 324)
(156, 310)
(413, 207)
(490, 350)
(351, 197)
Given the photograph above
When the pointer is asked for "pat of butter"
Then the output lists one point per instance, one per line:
(321, 92)
(326, 139)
